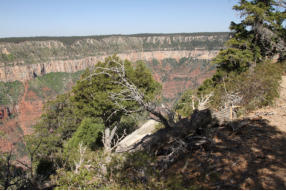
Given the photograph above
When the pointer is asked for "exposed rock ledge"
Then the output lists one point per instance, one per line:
(23, 72)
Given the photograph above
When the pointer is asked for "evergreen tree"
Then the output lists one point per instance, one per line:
(259, 36)
(91, 95)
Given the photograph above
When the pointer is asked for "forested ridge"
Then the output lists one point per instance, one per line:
(72, 39)
(206, 141)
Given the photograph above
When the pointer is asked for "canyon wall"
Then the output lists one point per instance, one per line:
(39, 49)
(178, 61)
(23, 59)
(24, 72)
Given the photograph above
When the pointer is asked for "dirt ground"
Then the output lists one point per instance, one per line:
(250, 157)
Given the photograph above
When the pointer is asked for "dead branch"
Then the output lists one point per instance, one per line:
(111, 139)
(204, 101)
(79, 163)
(232, 98)
(178, 147)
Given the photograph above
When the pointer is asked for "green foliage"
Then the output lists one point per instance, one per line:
(128, 123)
(10, 92)
(53, 83)
(184, 106)
(208, 85)
(256, 38)
(56, 126)
(80, 117)
(134, 171)
(7, 57)
(233, 59)
(258, 88)
(2, 134)
(12, 177)
(261, 87)
(68, 180)
(91, 97)
(21, 149)
(87, 133)
(128, 171)
(253, 45)
(86, 178)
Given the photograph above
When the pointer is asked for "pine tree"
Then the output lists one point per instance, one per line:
(259, 36)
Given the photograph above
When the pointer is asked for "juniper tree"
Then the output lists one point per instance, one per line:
(111, 90)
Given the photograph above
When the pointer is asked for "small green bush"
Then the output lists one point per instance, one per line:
(88, 133)
(184, 106)
(10, 92)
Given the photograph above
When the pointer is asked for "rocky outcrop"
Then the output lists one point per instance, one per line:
(129, 141)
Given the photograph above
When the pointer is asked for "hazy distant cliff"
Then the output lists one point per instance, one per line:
(22, 72)
(25, 58)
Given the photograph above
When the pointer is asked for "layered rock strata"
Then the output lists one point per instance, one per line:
(23, 72)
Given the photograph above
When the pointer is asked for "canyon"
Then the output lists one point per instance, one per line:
(44, 67)
(24, 72)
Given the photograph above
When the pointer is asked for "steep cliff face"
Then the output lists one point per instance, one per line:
(25, 114)
(178, 61)
(16, 119)
(24, 58)
(23, 72)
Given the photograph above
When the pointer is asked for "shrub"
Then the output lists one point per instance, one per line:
(133, 171)
(258, 88)
(88, 133)
(184, 106)
(10, 92)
